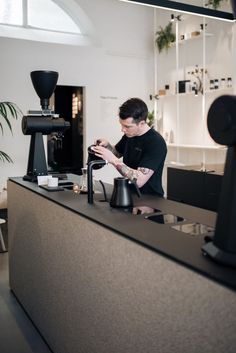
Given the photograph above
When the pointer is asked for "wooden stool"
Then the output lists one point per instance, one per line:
(3, 247)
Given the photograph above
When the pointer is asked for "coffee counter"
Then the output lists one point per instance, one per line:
(96, 279)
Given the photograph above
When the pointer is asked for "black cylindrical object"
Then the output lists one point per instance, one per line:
(221, 120)
(222, 128)
(45, 125)
(121, 195)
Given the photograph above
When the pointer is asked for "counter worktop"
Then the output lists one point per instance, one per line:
(163, 238)
(97, 279)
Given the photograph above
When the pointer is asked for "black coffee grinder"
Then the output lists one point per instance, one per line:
(39, 123)
(221, 123)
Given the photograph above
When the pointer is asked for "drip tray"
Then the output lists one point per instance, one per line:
(194, 229)
(165, 218)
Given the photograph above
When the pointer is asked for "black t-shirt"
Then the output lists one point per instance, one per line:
(147, 151)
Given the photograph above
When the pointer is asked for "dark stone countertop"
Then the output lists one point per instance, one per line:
(162, 238)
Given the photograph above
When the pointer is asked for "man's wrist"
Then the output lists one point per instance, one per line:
(115, 162)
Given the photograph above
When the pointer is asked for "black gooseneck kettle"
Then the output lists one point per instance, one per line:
(121, 195)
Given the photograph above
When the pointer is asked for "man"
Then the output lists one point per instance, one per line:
(143, 149)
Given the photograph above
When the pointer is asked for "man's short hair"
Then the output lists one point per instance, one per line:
(135, 108)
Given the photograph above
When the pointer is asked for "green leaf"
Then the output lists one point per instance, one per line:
(4, 114)
(8, 110)
(5, 158)
(215, 3)
(165, 37)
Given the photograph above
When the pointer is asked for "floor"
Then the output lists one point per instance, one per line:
(17, 332)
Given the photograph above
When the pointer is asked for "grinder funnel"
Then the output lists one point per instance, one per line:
(44, 83)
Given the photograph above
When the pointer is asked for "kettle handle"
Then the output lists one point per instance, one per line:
(134, 182)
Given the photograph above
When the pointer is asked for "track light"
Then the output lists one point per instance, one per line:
(185, 8)
(173, 18)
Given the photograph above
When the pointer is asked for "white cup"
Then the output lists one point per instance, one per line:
(53, 182)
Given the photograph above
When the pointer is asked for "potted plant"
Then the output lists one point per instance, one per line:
(165, 37)
(214, 3)
(151, 119)
(8, 110)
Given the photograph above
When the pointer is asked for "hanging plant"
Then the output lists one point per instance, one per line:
(214, 3)
(165, 37)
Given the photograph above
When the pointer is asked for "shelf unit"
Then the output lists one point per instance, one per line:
(182, 117)
(219, 91)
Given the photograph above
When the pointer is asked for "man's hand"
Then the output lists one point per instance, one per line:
(104, 153)
(101, 142)
(141, 175)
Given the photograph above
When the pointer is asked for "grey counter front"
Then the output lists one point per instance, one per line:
(96, 280)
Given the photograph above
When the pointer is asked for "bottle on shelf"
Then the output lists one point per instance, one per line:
(216, 83)
(167, 89)
(194, 86)
(229, 82)
(222, 83)
(212, 84)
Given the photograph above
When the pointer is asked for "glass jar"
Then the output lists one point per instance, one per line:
(84, 180)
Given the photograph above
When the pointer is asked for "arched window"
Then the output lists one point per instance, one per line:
(58, 21)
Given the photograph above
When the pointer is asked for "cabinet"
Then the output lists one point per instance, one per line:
(195, 187)
(189, 76)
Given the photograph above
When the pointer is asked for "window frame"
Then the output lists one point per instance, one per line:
(72, 9)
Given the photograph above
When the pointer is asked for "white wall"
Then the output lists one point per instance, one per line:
(119, 66)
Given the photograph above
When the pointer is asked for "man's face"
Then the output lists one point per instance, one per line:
(130, 129)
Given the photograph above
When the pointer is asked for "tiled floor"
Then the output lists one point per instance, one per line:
(17, 333)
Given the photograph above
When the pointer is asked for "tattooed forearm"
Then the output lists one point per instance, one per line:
(113, 150)
(124, 170)
(144, 171)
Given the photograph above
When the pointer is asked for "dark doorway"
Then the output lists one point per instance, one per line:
(65, 152)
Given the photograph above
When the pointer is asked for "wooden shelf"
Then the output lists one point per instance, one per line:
(212, 91)
(182, 41)
(226, 89)
(174, 145)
